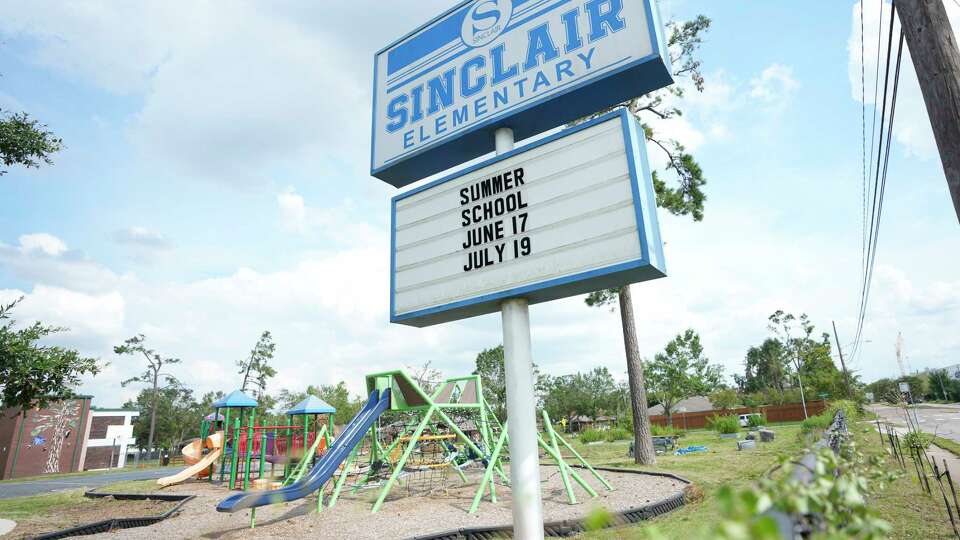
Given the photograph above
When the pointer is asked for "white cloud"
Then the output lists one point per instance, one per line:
(293, 213)
(46, 243)
(142, 237)
(774, 84)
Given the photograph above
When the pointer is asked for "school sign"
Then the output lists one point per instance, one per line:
(531, 65)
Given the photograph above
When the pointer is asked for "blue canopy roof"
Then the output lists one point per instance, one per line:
(312, 405)
(235, 399)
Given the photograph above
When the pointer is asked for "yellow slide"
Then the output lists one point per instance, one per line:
(199, 463)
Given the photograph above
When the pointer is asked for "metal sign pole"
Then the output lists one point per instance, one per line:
(521, 404)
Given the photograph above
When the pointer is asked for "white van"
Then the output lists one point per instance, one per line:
(745, 419)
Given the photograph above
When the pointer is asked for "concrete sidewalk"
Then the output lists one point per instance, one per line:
(40, 486)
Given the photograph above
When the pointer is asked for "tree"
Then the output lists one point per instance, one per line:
(724, 398)
(24, 141)
(427, 377)
(178, 415)
(794, 333)
(33, 375)
(589, 394)
(766, 368)
(256, 368)
(337, 395)
(681, 371)
(492, 371)
(151, 375)
(685, 199)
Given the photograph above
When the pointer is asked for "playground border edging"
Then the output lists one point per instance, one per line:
(570, 527)
(108, 525)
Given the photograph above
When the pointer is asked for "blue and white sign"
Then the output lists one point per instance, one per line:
(566, 215)
(530, 65)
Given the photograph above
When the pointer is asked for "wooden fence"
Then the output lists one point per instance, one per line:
(788, 412)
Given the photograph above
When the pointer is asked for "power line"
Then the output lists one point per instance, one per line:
(863, 149)
(880, 179)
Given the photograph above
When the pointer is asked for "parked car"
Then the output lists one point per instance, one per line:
(745, 419)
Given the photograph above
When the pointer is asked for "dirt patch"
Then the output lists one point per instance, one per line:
(402, 516)
(85, 511)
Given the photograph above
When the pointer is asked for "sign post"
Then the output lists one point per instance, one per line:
(521, 402)
(568, 214)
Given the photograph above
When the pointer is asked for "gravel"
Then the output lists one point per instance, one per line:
(402, 516)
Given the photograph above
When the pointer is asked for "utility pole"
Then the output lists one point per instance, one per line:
(843, 365)
(936, 59)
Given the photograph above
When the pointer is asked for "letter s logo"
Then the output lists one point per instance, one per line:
(485, 21)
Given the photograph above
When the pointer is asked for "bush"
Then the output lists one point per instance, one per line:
(617, 434)
(816, 423)
(591, 435)
(850, 408)
(664, 431)
(758, 420)
(724, 425)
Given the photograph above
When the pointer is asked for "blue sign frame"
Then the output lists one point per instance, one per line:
(631, 78)
(650, 265)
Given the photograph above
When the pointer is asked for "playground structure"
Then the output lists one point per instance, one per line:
(244, 451)
(403, 435)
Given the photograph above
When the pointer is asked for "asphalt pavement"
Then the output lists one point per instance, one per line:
(40, 486)
(943, 420)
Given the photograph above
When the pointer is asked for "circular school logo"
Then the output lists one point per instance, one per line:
(485, 20)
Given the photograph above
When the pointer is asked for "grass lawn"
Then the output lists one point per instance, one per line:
(950, 446)
(129, 468)
(721, 465)
(911, 513)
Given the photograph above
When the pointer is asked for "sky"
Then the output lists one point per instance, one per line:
(215, 184)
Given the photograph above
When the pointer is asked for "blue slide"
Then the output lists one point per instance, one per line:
(324, 469)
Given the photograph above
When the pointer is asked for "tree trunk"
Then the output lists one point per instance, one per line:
(153, 412)
(644, 453)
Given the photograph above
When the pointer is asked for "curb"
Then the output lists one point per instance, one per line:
(570, 527)
(108, 525)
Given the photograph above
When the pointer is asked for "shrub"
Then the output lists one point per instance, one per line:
(850, 408)
(816, 423)
(591, 435)
(917, 440)
(724, 425)
(664, 431)
(617, 434)
(757, 420)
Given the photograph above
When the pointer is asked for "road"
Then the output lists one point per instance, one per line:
(944, 420)
(40, 486)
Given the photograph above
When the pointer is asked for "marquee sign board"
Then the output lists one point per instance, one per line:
(531, 65)
(569, 214)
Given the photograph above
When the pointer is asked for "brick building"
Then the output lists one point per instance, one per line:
(110, 438)
(44, 441)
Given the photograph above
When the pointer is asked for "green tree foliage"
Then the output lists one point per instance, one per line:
(490, 367)
(34, 374)
(592, 394)
(256, 370)
(178, 416)
(137, 346)
(337, 395)
(724, 398)
(767, 367)
(681, 371)
(24, 141)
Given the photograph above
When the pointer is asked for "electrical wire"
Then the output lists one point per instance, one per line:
(880, 179)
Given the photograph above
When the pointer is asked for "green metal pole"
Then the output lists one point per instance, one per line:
(263, 452)
(585, 463)
(466, 439)
(273, 466)
(488, 474)
(235, 457)
(556, 457)
(556, 448)
(343, 477)
(249, 452)
(226, 436)
(403, 458)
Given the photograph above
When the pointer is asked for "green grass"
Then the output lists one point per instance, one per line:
(721, 465)
(950, 446)
(130, 486)
(76, 474)
(911, 513)
(19, 508)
